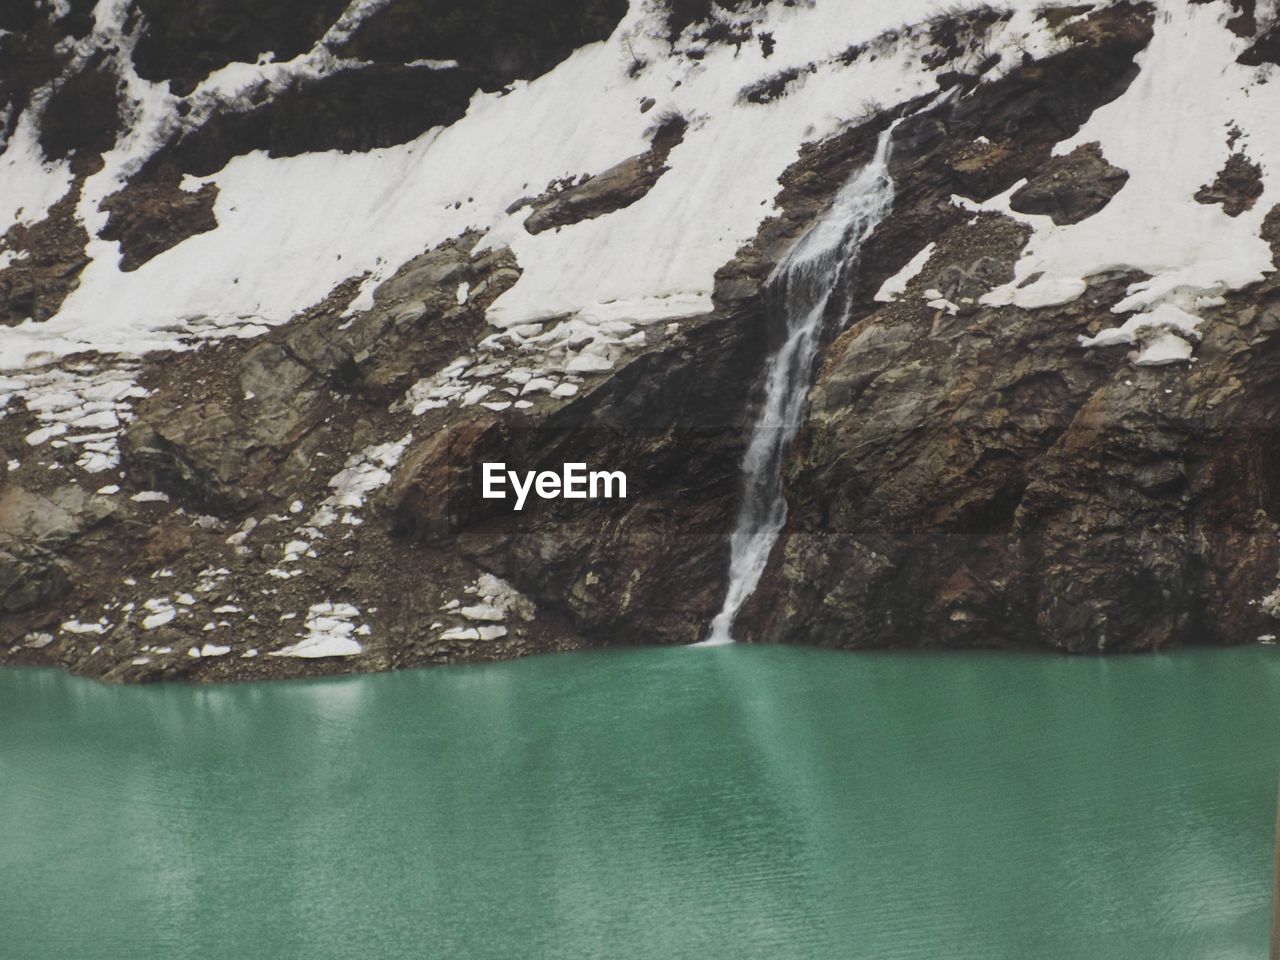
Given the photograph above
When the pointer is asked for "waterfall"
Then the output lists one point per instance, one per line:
(800, 288)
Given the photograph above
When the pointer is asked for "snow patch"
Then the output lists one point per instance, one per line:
(330, 633)
(1168, 130)
(1165, 335)
(896, 285)
(365, 471)
(76, 627)
(162, 612)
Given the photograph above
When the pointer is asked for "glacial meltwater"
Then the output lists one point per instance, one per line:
(800, 291)
(734, 802)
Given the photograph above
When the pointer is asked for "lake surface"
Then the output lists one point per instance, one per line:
(667, 803)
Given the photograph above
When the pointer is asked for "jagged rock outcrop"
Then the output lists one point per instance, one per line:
(614, 189)
(35, 531)
(969, 476)
(982, 462)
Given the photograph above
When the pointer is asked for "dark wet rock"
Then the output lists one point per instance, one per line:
(182, 43)
(416, 65)
(1245, 21)
(1045, 101)
(1001, 487)
(1237, 186)
(436, 490)
(83, 113)
(32, 56)
(651, 568)
(504, 40)
(978, 479)
(917, 136)
(1266, 49)
(362, 108)
(1071, 187)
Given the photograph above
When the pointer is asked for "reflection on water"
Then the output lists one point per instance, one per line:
(729, 802)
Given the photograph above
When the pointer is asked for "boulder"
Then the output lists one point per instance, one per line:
(1071, 188)
(613, 189)
(443, 266)
(49, 520)
(196, 452)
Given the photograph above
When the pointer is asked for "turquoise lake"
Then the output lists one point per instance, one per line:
(734, 802)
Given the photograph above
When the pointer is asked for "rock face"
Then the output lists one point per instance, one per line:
(981, 462)
(968, 477)
(437, 490)
(1091, 506)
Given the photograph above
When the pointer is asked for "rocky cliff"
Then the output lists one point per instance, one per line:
(277, 279)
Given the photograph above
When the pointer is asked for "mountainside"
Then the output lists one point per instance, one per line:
(276, 279)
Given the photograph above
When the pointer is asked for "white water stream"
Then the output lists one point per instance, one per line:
(801, 287)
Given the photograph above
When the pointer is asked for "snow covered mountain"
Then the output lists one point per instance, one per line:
(276, 279)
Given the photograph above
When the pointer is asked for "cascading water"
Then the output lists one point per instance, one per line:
(801, 288)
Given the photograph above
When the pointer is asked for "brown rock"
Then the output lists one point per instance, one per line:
(167, 544)
(1072, 187)
(613, 189)
(1237, 186)
(436, 490)
(35, 285)
(149, 218)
